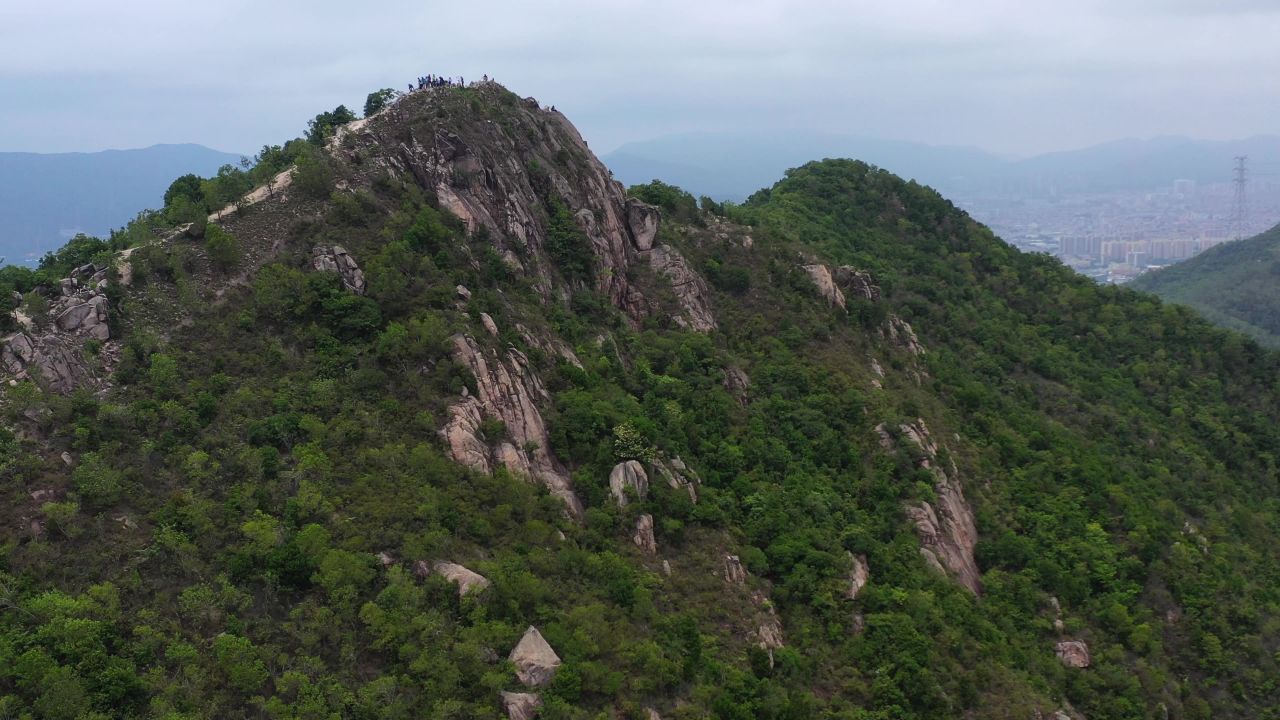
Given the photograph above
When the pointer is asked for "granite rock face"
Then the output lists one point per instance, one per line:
(1073, 653)
(947, 532)
(643, 537)
(857, 283)
(507, 389)
(859, 576)
(479, 171)
(827, 288)
(678, 475)
(51, 347)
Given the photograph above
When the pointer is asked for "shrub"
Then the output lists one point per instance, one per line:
(313, 175)
(223, 248)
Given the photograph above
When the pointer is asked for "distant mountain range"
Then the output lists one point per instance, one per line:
(731, 166)
(47, 198)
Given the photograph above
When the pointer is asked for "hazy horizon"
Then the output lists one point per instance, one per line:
(996, 74)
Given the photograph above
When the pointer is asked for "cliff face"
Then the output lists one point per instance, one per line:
(946, 528)
(507, 390)
(498, 175)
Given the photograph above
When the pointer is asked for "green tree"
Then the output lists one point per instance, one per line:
(377, 100)
(322, 126)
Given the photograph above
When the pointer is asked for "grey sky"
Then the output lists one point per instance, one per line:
(1015, 76)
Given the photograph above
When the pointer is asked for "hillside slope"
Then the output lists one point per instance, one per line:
(46, 198)
(1234, 284)
(460, 428)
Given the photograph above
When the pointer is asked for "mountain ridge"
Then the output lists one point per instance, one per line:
(1232, 284)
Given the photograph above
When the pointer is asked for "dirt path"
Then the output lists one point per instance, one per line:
(278, 183)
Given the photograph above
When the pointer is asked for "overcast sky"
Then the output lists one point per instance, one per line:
(1013, 76)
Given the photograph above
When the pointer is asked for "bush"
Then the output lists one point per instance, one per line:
(223, 248)
(97, 482)
(313, 175)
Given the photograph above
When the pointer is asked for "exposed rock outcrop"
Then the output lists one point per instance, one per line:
(56, 361)
(479, 171)
(549, 345)
(53, 352)
(769, 634)
(947, 533)
(642, 220)
(521, 706)
(643, 537)
(737, 383)
(628, 479)
(899, 332)
(1073, 653)
(734, 573)
(859, 575)
(857, 283)
(535, 661)
(678, 475)
(690, 289)
(88, 318)
(827, 288)
(467, 580)
(337, 260)
(507, 390)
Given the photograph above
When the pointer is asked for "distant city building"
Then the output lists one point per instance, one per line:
(1184, 188)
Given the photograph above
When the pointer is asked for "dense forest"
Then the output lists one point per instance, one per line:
(834, 452)
(1234, 285)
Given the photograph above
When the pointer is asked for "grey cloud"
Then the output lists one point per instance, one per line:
(1008, 75)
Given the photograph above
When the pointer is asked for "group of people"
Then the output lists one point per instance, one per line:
(437, 81)
(434, 81)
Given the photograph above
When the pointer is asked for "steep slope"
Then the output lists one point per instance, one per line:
(45, 198)
(1234, 285)
(462, 429)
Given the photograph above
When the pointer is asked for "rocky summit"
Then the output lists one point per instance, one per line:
(428, 416)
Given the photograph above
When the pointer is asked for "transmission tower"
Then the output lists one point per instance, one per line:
(1240, 203)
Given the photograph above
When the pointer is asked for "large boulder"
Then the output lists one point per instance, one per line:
(643, 537)
(1073, 653)
(337, 260)
(521, 706)
(626, 479)
(535, 661)
(859, 575)
(642, 221)
(466, 580)
(827, 288)
(86, 318)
